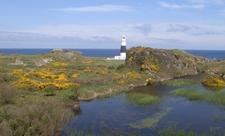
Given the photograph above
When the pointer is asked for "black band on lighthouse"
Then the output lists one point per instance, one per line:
(123, 49)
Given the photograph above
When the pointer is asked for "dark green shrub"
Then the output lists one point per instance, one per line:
(7, 94)
(121, 66)
(44, 118)
(6, 78)
(50, 90)
(74, 88)
(111, 67)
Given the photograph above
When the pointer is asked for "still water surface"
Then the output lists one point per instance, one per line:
(119, 114)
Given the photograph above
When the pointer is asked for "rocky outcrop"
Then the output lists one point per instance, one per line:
(163, 64)
(43, 62)
(17, 62)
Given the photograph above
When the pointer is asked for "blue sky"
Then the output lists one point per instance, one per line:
(170, 24)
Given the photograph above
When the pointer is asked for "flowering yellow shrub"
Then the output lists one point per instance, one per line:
(59, 64)
(43, 85)
(62, 77)
(133, 75)
(17, 72)
(154, 68)
(117, 75)
(143, 67)
(89, 62)
(25, 82)
(58, 85)
(131, 58)
(43, 73)
(213, 81)
(104, 71)
(88, 69)
(140, 49)
(149, 81)
(121, 81)
(75, 75)
(62, 85)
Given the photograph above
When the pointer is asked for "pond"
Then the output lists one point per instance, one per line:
(119, 115)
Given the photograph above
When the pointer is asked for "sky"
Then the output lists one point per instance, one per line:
(100, 24)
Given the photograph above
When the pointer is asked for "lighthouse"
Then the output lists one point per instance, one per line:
(122, 50)
(123, 47)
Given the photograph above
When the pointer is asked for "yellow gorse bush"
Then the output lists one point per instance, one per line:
(75, 75)
(154, 68)
(59, 64)
(133, 75)
(17, 72)
(117, 75)
(213, 81)
(104, 71)
(26, 82)
(88, 69)
(121, 81)
(46, 78)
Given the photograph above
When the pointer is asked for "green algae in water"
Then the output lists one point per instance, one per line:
(150, 122)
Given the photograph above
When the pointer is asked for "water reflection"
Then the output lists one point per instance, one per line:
(118, 115)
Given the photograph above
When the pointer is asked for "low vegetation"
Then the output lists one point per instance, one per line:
(142, 99)
(180, 82)
(195, 94)
(190, 93)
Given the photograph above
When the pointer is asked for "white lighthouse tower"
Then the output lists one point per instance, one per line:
(123, 47)
(122, 50)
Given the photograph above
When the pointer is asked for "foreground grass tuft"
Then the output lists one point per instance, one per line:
(190, 93)
(142, 99)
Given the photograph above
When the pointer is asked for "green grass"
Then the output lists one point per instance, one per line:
(142, 99)
(180, 82)
(217, 98)
(189, 93)
(194, 94)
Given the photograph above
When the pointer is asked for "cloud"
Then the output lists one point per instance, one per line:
(146, 28)
(178, 28)
(168, 41)
(36, 40)
(208, 1)
(175, 6)
(103, 8)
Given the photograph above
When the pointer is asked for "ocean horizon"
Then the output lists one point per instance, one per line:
(210, 54)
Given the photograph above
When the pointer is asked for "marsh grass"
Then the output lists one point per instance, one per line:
(142, 99)
(217, 98)
(180, 82)
(194, 94)
(189, 93)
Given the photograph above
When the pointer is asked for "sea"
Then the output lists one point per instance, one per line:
(209, 54)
